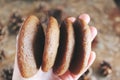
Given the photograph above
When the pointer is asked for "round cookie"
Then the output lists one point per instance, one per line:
(66, 46)
(30, 46)
(82, 46)
(51, 44)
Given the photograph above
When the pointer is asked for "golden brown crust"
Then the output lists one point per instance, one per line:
(65, 50)
(82, 46)
(25, 47)
(34, 48)
(51, 44)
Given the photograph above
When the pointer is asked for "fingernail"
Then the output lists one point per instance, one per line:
(93, 32)
(72, 19)
(85, 17)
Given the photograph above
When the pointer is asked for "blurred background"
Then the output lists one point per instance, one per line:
(105, 16)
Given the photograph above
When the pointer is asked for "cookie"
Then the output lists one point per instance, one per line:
(30, 46)
(51, 44)
(82, 46)
(66, 47)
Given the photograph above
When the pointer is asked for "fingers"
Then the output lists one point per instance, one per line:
(72, 19)
(70, 76)
(91, 58)
(93, 32)
(85, 17)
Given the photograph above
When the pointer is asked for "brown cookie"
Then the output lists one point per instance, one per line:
(82, 46)
(30, 46)
(66, 46)
(51, 44)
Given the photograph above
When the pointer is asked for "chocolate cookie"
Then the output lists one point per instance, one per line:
(66, 46)
(82, 46)
(30, 46)
(51, 44)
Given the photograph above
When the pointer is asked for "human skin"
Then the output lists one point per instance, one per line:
(40, 75)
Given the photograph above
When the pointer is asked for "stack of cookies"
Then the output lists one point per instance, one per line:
(62, 47)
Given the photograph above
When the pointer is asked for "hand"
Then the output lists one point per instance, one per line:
(40, 75)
